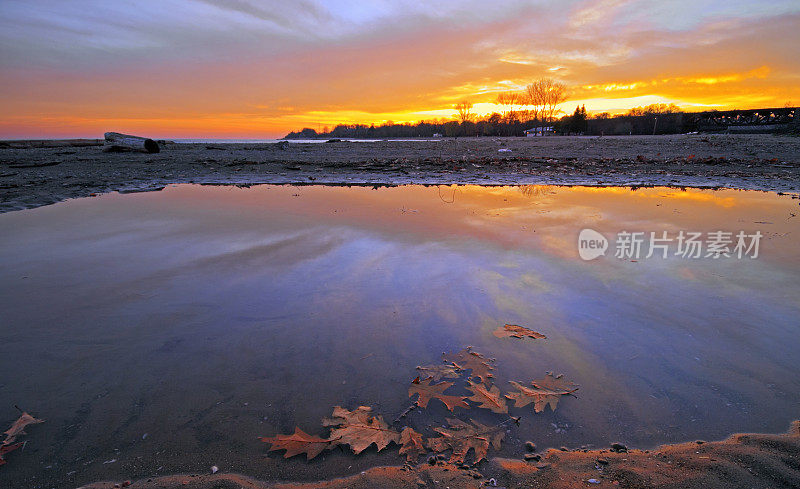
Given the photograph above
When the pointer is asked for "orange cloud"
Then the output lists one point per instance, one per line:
(233, 79)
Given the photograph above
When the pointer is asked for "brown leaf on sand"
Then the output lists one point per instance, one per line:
(412, 445)
(488, 397)
(467, 359)
(461, 436)
(360, 429)
(514, 331)
(428, 391)
(438, 372)
(4, 449)
(542, 392)
(18, 427)
(297, 443)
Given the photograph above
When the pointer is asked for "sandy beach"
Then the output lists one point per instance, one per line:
(742, 460)
(35, 173)
(399, 245)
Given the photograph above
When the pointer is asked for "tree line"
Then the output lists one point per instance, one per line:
(537, 105)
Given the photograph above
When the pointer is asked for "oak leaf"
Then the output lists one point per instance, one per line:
(542, 393)
(412, 445)
(428, 391)
(4, 449)
(488, 397)
(461, 437)
(360, 429)
(297, 443)
(18, 427)
(438, 372)
(514, 331)
(467, 359)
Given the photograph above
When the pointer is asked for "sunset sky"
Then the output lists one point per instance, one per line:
(247, 68)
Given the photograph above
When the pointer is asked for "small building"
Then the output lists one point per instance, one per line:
(539, 131)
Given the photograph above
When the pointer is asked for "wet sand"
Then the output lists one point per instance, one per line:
(35, 173)
(742, 460)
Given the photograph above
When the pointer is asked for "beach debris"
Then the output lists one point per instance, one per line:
(116, 142)
(427, 391)
(438, 372)
(514, 331)
(488, 397)
(18, 427)
(503, 150)
(467, 359)
(593, 481)
(542, 393)
(297, 443)
(214, 469)
(413, 445)
(460, 437)
(360, 429)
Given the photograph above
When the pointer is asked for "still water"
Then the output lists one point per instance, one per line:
(164, 332)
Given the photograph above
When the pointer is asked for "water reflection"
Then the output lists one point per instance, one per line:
(205, 316)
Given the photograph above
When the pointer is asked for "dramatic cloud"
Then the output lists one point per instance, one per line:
(175, 68)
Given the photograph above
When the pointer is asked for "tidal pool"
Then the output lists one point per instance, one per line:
(164, 332)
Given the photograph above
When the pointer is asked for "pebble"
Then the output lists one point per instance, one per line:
(532, 456)
(530, 446)
(618, 447)
(214, 469)
(593, 481)
(602, 461)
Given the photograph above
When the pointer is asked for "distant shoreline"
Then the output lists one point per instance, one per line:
(41, 172)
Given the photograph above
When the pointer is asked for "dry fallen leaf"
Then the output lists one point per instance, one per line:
(489, 397)
(297, 443)
(467, 359)
(360, 429)
(461, 436)
(4, 449)
(412, 445)
(542, 392)
(18, 427)
(428, 391)
(514, 331)
(438, 372)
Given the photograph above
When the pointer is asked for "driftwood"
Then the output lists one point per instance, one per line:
(124, 142)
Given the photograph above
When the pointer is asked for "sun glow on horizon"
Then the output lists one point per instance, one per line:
(219, 69)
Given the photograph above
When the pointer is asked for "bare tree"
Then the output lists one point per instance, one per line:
(464, 109)
(534, 98)
(544, 96)
(509, 100)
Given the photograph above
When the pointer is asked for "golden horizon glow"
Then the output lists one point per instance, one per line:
(227, 69)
